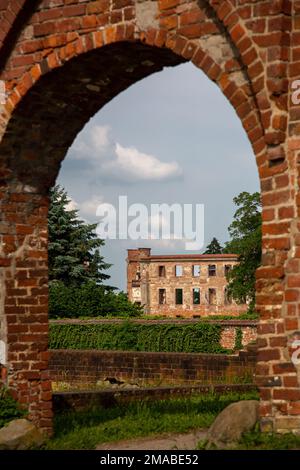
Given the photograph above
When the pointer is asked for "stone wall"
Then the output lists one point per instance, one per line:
(83, 369)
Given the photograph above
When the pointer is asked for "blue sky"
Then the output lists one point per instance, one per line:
(172, 137)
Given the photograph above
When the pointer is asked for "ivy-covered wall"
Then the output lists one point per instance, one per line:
(191, 337)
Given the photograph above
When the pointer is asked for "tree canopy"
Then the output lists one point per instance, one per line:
(245, 232)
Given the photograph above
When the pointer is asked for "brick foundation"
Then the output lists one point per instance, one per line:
(61, 61)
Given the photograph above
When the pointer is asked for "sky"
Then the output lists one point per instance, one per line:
(171, 138)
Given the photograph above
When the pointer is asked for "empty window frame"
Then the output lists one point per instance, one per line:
(178, 296)
(178, 270)
(196, 270)
(212, 296)
(161, 271)
(196, 296)
(212, 270)
(227, 268)
(161, 296)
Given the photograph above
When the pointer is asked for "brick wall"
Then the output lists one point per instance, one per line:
(3, 375)
(82, 369)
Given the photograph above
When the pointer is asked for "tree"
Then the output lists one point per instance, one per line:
(245, 232)
(89, 300)
(76, 267)
(214, 248)
(73, 250)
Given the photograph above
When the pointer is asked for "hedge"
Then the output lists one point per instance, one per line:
(129, 336)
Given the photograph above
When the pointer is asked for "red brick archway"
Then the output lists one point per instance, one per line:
(65, 59)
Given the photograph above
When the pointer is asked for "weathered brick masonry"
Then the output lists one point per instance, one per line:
(61, 61)
(83, 369)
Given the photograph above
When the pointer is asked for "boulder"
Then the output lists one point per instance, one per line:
(20, 434)
(232, 422)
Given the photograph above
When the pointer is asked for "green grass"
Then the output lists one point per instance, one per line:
(256, 440)
(86, 429)
(265, 441)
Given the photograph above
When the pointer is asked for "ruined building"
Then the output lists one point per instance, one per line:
(190, 285)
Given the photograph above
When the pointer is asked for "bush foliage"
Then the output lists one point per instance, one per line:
(89, 300)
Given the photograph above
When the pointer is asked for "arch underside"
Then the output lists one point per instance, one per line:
(52, 113)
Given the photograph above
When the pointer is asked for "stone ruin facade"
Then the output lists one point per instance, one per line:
(181, 286)
(60, 62)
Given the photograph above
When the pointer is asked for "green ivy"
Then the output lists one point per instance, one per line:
(238, 339)
(129, 336)
(9, 408)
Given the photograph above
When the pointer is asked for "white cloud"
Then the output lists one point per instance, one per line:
(89, 207)
(111, 161)
(92, 145)
(177, 245)
(72, 205)
(136, 165)
(100, 137)
(79, 148)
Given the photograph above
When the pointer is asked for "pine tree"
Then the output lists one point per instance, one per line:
(74, 248)
(214, 248)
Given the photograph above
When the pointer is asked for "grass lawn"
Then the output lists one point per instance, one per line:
(86, 429)
(263, 441)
